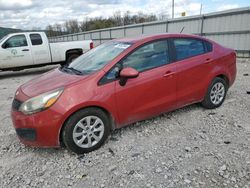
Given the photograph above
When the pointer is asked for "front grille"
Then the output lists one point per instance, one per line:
(16, 104)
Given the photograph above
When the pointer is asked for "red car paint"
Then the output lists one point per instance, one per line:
(142, 97)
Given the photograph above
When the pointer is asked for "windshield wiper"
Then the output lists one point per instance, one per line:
(71, 69)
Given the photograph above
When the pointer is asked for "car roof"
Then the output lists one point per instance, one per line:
(141, 38)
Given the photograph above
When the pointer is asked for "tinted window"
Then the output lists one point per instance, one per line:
(186, 48)
(16, 41)
(209, 46)
(36, 39)
(149, 56)
(110, 75)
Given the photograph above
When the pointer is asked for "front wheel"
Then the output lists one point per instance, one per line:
(86, 130)
(216, 94)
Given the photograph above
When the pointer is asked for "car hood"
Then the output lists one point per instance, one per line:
(49, 81)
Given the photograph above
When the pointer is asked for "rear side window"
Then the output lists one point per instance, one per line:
(186, 48)
(36, 39)
(209, 46)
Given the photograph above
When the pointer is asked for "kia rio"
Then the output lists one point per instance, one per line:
(118, 83)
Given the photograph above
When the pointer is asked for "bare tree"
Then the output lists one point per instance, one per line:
(49, 31)
(117, 19)
(72, 26)
(127, 18)
(83, 26)
(58, 28)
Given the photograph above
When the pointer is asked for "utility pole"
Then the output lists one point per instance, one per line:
(201, 9)
(172, 9)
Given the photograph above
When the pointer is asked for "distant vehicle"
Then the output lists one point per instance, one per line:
(118, 83)
(32, 49)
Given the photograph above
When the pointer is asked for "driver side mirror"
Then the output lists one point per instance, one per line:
(127, 73)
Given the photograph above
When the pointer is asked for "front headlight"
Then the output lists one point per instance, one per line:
(40, 102)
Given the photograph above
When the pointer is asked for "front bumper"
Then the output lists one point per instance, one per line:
(40, 129)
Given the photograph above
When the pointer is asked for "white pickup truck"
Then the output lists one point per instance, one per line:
(32, 49)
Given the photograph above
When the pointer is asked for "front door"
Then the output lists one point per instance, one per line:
(15, 52)
(153, 91)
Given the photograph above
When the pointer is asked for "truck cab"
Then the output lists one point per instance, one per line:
(21, 50)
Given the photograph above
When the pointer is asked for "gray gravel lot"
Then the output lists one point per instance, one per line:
(189, 147)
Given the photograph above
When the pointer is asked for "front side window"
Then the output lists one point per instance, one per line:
(16, 41)
(149, 56)
(186, 48)
(36, 39)
(98, 57)
(111, 75)
(209, 46)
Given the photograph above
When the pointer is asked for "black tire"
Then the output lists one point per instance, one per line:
(72, 123)
(71, 57)
(207, 102)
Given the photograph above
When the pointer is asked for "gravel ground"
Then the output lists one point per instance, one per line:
(189, 147)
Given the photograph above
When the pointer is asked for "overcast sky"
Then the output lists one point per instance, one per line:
(28, 14)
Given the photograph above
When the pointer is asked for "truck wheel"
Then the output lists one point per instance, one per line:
(216, 93)
(86, 130)
(71, 58)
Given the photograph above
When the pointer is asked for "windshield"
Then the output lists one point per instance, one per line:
(3, 38)
(98, 57)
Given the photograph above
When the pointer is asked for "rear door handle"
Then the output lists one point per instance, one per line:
(25, 50)
(168, 73)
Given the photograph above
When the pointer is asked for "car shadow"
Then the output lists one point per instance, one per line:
(26, 72)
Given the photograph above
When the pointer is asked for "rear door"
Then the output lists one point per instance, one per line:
(154, 90)
(15, 52)
(40, 49)
(193, 61)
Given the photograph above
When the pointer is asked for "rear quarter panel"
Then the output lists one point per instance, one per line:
(224, 63)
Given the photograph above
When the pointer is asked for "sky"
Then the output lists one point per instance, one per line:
(30, 14)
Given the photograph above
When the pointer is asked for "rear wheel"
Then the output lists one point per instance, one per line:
(216, 93)
(86, 130)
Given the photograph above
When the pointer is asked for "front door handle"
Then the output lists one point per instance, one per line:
(25, 50)
(168, 73)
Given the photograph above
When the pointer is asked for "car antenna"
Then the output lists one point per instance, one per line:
(182, 29)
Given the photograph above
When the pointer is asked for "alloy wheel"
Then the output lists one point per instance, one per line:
(217, 93)
(88, 131)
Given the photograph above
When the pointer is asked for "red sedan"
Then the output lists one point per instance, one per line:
(118, 83)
